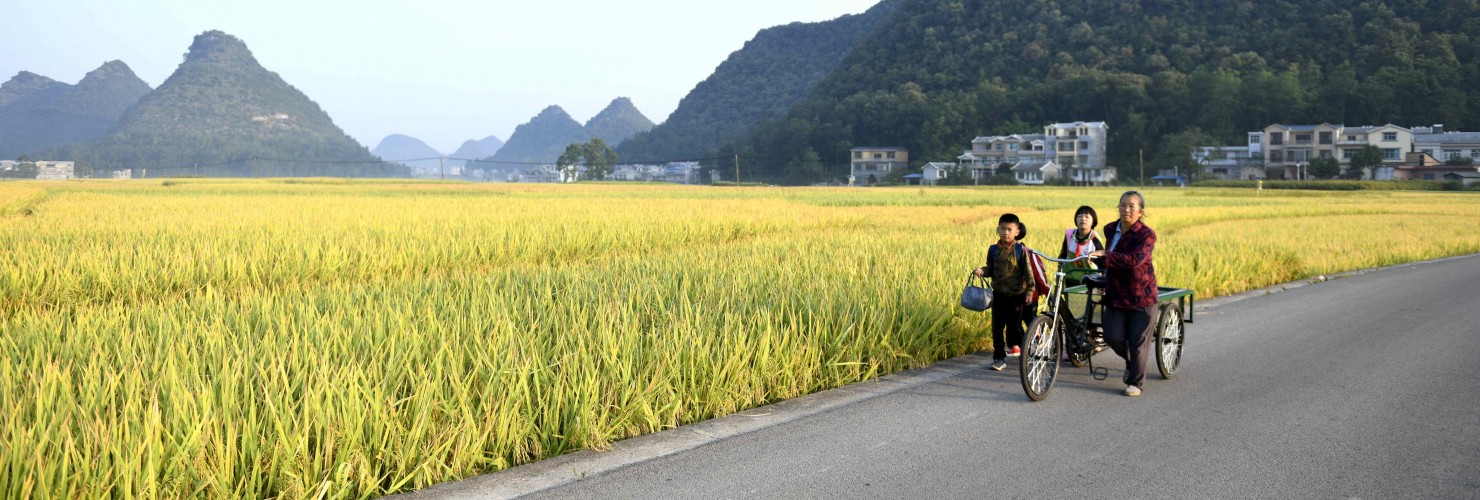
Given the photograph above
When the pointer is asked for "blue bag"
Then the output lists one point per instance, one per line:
(976, 296)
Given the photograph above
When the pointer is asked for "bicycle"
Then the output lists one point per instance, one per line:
(1057, 332)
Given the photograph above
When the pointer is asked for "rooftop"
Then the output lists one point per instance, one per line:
(1447, 138)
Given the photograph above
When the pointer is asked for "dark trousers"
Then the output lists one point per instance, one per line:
(1008, 313)
(1129, 333)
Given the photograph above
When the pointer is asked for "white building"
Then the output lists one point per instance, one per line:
(1077, 149)
(1446, 146)
(1035, 172)
(935, 172)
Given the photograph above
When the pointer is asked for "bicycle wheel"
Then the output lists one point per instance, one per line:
(1170, 336)
(1039, 363)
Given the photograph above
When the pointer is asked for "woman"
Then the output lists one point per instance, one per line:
(1130, 288)
(1081, 239)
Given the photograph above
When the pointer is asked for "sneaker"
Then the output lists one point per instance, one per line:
(1014, 351)
(1132, 390)
(998, 365)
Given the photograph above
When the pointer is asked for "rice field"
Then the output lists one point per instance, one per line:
(351, 339)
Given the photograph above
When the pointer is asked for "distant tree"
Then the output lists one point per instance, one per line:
(1367, 157)
(1325, 168)
(1004, 168)
(804, 169)
(598, 157)
(1460, 160)
(569, 162)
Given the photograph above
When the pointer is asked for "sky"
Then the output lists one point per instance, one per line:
(440, 71)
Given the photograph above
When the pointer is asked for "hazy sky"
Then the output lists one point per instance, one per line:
(440, 71)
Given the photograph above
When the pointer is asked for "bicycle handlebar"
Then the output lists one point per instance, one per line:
(1061, 261)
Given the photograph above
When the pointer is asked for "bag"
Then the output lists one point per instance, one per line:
(976, 296)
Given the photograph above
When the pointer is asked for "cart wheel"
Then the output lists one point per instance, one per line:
(1039, 363)
(1170, 337)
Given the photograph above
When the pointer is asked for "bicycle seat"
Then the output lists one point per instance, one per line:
(1093, 281)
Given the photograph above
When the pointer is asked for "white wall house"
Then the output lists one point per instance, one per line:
(1230, 162)
(935, 172)
(1035, 172)
(1077, 149)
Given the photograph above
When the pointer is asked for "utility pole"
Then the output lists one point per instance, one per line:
(440, 167)
(255, 173)
(1142, 154)
(737, 169)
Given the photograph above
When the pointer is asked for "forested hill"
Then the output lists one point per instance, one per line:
(937, 73)
(763, 79)
(618, 122)
(37, 113)
(222, 113)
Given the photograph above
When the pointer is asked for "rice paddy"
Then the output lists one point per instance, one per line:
(351, 339)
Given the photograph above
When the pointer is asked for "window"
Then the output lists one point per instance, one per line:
(1275, 156)
(1450, 154)
(1390, 153)
(1428, 177)
(1012, 147)
(878, 156)
(1302, 137)
(1066, 146)
(891, 155)
(858, 155)
(1277, 138)
(1389, 137)
(1325, 153)
(1253, 139)
(997, 147)
(1351, 137)
(1325, 138)
(1084, 146)
(1347, 154)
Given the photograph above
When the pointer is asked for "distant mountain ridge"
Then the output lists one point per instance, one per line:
(222, 113)
(38, 113)
(544, 137)
(763, 79)
(618, 122)
(397, 147)
(482, 148)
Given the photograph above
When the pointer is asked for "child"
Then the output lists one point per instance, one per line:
(1012, 287)
(1080, 240)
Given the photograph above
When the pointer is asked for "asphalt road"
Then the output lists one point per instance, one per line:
(1365, 386)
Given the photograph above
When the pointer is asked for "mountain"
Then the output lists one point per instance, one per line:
(763, 79)
(397, 147)
(1159, 72)
(541, 140)
(618, 122)
(26, 84)
(483, 148)
(37, 113)
(222, 113)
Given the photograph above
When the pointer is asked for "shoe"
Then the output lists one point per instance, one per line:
(1132, 391)
(998, 365)
(1015, 351)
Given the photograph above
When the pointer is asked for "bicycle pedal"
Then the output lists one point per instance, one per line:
(1100, 373)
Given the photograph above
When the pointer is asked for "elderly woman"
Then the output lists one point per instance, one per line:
(1130, 288)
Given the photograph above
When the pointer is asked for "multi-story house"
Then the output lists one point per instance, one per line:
(987, 153)
(1446, 146)
(871, 164)
(1078, 144)
(1233, 162)
(1077, 149)
(1289, 149)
